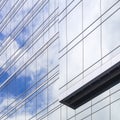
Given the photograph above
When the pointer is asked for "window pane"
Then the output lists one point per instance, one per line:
(74, 23)
(106, 4)
(62, 32)
(92, 51)
(111, 34)
(115, 108)
(91, 11)
(102, 114)
(75, 61)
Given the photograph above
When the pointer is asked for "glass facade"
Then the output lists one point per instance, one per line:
(49, 46)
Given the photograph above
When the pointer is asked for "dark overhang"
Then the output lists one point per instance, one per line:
(93, 88)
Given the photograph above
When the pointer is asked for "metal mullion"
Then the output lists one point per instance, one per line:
(34, 32)
(40, 51)
(27, 97)
(30, 41)
(3, 4)
(85, 37)
(8, 15)
(24, 52)
(66, 7)
(20, 22)
(5, 43)
(88, 33)
(51, 111)
(7, 18)
(19, 30)
(28, 19)
(31, 44)
(70, 10)
(32, 86)
(21, 103)
(89, 25)
(44, 109)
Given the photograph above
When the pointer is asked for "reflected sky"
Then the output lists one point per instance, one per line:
(1, 36)
(32, 73)
(78, 57)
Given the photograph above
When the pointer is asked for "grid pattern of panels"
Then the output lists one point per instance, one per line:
(50, 44)
(89, 38)
(29, 66)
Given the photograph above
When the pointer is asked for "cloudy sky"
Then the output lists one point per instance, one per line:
(14, 41)
(13, 55)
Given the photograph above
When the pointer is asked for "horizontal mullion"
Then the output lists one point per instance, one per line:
(11, 13)
(24, 101)
(6, 44)
(54, 70)
(45, 109)
(2, 5)
(16, 58)
(86, 35)
(84, 38)
(32, 37)
(89, 25)
(27, 20)
(39, 52)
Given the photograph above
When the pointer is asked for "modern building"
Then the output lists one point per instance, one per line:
(59, 59)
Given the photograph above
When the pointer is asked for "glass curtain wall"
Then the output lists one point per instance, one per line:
(48, 46)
